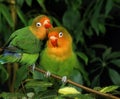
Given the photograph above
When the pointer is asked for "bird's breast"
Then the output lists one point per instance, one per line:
(58, 53)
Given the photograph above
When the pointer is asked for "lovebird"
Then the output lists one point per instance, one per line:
(25, 44)
(58, 57)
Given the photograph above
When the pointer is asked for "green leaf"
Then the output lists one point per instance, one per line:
(114, 75)
(96, 81)
(101, 28)
(20, 2)
(38, 75)
(83, 57)
(41, 3)
(22, 74)
(77, 96)
(82, 96)
(29, 2)
(116, 62)
(7, 95)
(106, 53)
(76, 77)
(94, 21)
(108, 7)
(100, 46)
(109, 88)
(83, 72)
(79, 36)
(73, 4)
(6, 14)
(0, 21)
(21, 16)
(89, 32)
(38, 85)
(3, 74)
(96, 59)
(71, 18)
(79, 31)
(56, 21)
(114, 55)
(117, 1)
(30, 95)
(94, 24)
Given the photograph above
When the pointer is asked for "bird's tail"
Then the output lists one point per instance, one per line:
(9, 57)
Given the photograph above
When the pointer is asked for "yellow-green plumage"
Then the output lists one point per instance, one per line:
(59, 67)
(59, 57)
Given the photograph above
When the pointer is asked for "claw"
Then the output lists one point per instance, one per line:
(64, 79)
(47, 74)
(33, 67)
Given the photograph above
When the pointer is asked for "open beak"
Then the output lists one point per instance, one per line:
(53, 40)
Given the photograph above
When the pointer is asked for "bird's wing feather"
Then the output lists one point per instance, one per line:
(26, 41)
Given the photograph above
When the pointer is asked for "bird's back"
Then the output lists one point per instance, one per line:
(25, 40)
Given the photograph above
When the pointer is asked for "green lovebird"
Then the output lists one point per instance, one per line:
(24, 45)
(58, 56)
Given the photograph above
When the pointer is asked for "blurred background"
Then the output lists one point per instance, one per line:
(93, 24)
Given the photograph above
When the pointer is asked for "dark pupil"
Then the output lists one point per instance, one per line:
(60, 34)
(38, 24)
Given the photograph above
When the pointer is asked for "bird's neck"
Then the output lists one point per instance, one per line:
(40, 33)
(60, 53)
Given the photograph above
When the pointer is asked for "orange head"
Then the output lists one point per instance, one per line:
(59, 37)
(40, 26)
(59, 44)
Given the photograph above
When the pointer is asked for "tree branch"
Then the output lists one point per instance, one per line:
(78, 85)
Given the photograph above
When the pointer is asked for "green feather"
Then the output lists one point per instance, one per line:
(61, 68)
(29, 59)
(51, 61)
(26, 43)
(8, 59)
(25, 40)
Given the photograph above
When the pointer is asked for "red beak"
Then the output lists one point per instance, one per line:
(53, 40)
(48, 25)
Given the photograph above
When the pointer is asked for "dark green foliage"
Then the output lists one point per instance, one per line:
(85, 20)
(107, 62)
(3, 74)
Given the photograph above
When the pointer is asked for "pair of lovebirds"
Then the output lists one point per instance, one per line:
(26, 45)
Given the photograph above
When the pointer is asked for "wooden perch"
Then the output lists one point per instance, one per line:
(1, 49)
(109, 96)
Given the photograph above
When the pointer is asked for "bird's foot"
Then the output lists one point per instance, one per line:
(33, 67)
(47, 74)
(64, 79)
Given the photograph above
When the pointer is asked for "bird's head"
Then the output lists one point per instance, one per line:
(42, 20)
(59, 37)
(40, 26)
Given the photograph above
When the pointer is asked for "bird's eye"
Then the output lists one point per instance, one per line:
(38, 24)
(60, 34)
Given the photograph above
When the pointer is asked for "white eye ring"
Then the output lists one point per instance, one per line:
(38, 24)
(60, 34)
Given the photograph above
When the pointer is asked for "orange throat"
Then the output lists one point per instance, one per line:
(39, 33)
(59, 52)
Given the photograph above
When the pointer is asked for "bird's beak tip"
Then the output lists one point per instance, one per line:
(53, 40)
(48, 25)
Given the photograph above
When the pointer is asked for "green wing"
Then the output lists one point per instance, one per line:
(25, 40)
